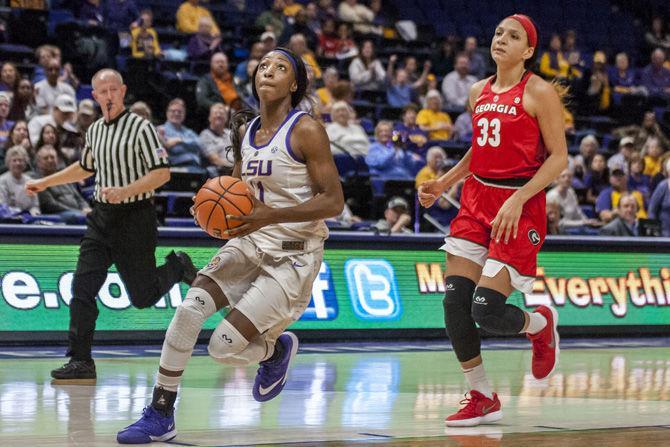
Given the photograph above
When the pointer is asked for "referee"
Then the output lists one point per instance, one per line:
(123, 152)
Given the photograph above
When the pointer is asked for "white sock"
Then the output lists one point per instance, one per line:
(168, 382)
(536, 322)
(476, 377)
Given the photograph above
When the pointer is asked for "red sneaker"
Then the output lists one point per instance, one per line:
(478, 409)
(545, 344)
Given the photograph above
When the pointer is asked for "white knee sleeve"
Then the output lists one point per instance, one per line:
(183, 331)
(226, 341)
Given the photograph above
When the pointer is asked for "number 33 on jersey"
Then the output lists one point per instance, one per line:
(506, 141)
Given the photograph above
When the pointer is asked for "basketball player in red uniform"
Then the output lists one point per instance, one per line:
(518, 148)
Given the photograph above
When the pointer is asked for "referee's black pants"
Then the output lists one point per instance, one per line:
(125, 235)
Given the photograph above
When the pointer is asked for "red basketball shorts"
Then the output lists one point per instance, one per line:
(470, 235)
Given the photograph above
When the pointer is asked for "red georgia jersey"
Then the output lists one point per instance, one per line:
(506, 140)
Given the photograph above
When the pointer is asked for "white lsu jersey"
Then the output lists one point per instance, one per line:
(279, 179)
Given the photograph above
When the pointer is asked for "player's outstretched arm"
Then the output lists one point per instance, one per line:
(73, 173)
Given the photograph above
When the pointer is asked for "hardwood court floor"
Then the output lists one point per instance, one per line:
(386, 395)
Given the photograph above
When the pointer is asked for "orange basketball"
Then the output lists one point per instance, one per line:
(219, 197)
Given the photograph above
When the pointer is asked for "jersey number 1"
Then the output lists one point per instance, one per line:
(494, 127)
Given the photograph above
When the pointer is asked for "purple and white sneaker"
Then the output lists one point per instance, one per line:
(152, 427)
(271, 376)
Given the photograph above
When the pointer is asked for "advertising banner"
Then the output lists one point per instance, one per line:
(355, 289)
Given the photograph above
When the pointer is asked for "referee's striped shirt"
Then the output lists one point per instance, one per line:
(122, 151)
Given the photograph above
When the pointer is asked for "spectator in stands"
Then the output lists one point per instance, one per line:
(269, 41)
(64, 199)
(189, 15)
(621, 159)
(463, 125)
(203, 44)
(456, 85)
(13, 183)
(652, 152)
(325, 94)
(298, 44)
(328, 40)
(637, 180)
(366, 71)
(555, 65)
(570, 49)
(388, 160)
(554, 219)
(144, 39)
(86, 115)
(656, 78)
(572, 215)
(608, 200)
(217, 85)
(345, 136)
(291, 8)
(432, 119)
(477, 64)
(5, 124)
(661, 176)
(400, 89)
(657, 36)
(360, 15)
(622, 78)
(23, 102)
(624, 222)
(61, 117)
(409, 134)
(346, 47)
(659, 206)
(396, 218)
(181, 142)
(596, 178)
(640, 134)
(344, 91)
(142, 109)
(245, 89)
(92, 12)
(43, 54)
(18, 136)
(313, 21)
(273, 20)
(598, 91)
(435, 158)
(49, 137)
(255, 54)
(9, 78)
(300, 25)
(581, 164)
(47, 90)
(443, 60)
(215, 140)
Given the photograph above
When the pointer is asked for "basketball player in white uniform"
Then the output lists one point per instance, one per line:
(264, 274)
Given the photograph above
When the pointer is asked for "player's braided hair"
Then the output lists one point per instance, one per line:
(238, 124)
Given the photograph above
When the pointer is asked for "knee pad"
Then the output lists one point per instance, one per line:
(185, 327)
(493, 315)
(461, 328)
(226, 342)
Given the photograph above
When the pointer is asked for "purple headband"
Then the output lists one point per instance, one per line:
(291, 59)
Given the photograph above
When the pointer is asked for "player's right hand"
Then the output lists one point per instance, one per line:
(34, 186)
(429, 191)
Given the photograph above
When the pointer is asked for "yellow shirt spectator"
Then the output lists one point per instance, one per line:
(563, 70)
(430, 119)
(425, 174)
(140, 39)
(641, 214)
(292, 10)
(310, 60)
(188, 16)
(651, 166)
(325, 98)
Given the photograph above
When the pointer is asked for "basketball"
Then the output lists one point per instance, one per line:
(219, 197)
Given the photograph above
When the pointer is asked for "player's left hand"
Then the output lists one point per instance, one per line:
(260, 216)
(114, 194)
(506, 223)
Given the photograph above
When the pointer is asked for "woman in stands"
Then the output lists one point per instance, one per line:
(518, 148)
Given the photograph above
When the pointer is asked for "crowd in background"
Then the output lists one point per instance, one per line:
(616, 183)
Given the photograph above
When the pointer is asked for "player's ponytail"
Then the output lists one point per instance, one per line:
(562, 90)
(238, 125)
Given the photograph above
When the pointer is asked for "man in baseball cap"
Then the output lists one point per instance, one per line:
(621, 159)
(396, 217)
(61, 116)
